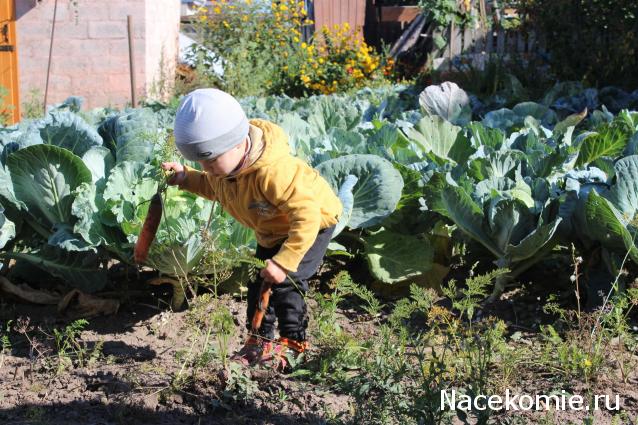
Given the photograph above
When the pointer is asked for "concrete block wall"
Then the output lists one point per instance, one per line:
(90, 50)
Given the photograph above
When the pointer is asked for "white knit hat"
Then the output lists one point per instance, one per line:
(208, 123)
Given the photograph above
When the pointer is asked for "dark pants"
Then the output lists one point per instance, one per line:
(287, 304)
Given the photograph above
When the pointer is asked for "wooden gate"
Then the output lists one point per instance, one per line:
(9, 62)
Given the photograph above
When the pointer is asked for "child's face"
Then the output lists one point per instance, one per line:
(225, 163)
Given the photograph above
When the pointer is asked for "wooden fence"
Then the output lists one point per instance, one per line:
(479, 44)
(405, 28)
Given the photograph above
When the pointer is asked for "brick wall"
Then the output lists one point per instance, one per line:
(90, 50)
(162, 53)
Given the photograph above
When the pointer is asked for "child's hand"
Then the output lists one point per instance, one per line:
(273, 272)
(179, 173)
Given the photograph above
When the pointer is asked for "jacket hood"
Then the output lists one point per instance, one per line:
(274, 142)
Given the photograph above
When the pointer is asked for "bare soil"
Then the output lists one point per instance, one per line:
(130, 382)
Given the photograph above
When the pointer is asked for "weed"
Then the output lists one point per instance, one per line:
(33, 107)
(466, 300)
(5, 342)
(35, 413)
(223, 326)
(239, 387)
(71, 350)
(421, 349)
(5, 107)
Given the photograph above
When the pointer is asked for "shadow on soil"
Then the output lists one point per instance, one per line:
(116, 413)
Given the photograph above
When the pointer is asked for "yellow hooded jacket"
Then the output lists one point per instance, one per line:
(279, 196)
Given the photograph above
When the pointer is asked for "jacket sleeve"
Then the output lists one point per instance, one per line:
(283, 189)
(197, 183)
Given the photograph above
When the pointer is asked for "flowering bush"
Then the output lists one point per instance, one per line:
(337, 59)
(262, 50)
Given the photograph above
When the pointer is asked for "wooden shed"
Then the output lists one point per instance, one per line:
(375, 21)
(338, 12)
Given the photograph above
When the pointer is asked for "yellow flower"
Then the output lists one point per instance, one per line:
(244, 18)
(587, 362)
(296, 39)
(226, 24)
(304, 45)
(217, 10)
(283, 7)
(321, 60)
(249, 2)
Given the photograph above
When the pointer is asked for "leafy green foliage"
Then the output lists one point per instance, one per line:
(411, 170)
(574, 24)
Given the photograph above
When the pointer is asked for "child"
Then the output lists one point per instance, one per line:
(248, 168)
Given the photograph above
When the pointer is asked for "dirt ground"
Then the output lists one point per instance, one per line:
(130, 381)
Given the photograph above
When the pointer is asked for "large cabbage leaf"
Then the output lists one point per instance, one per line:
(608, 142)
(180, 242)
(7, 230)
(505, 119)
(131, 135)
(183, 236)
(446, 141)
(611, 217)
(81, 270)
(44, 179)
(347, 201)
(394, 257)
(448, 101)
(376, 192)
(333, 112)
(69, 130)
(127, 195)
(99, 160)
(502, 217)
(89, 207)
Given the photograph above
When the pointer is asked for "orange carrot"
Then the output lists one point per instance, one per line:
(151, 223)
(262, 305)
